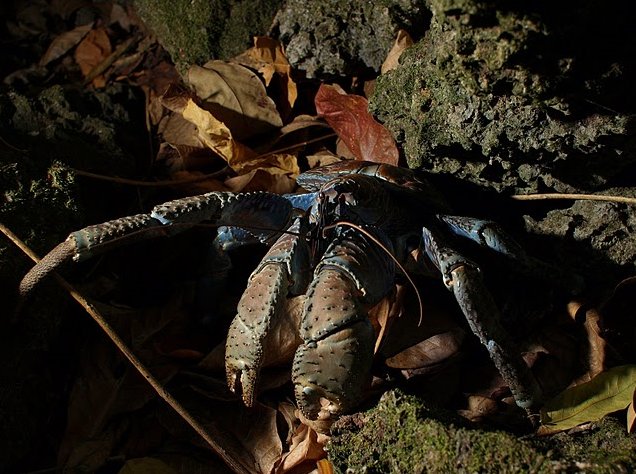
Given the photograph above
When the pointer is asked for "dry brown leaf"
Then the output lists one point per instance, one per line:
(322, 158)
(63, 43)
(236, 97)
(402, 42)
(107, 386)
(479, 408)
(176, 130)
(268, 58)
(301, 122)
(597, 346)
(304, 448)
(121, 16)
(631, 415)
(93, 49)
(270, 172)
(431, 351)
(348, 115)
(217, 136)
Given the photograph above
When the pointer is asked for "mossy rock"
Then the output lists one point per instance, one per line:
(41, 139)
(403, 435)
(517, 96)
(336, 38)
(196, 31)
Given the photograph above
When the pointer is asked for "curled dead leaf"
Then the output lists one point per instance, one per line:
(305, 447)
(596, 344)
(429, 352)
(268, 58)
(91, 51)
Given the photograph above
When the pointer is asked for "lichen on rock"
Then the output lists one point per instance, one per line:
(402, 434)
(195, 31)
(507, 96)
(331, 37)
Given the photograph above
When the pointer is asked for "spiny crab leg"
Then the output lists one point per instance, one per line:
(490, 234)
(284, 270)
(464, 279)
(261, 210)
(332, 366)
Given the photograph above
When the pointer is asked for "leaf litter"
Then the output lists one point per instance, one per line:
(223, 127)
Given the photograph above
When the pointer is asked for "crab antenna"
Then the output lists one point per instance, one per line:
(388, 252)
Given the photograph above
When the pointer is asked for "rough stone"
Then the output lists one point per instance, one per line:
(517, 97)
(402, 434)
(331, 37)
(593, 238)
(196, 31)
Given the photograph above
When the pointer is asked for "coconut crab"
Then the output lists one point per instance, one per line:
(315, 251)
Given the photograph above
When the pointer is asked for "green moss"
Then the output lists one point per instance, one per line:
(493, 86)
(604, 449)
(403, 435)
(195, 31)
(187, 29)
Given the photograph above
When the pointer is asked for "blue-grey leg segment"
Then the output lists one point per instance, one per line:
(464, 279)
(265, 214)
(485, 233)
(491, 235)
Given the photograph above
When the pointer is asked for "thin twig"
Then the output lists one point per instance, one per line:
(136, 182)
(9, 145)
(582, 197)
(133, 359)
(109, 60)
(195, 179)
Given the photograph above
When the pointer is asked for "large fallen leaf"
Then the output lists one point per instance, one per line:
(236, 97)
(268, 58)
(214, 134)
(596, 344)
(348, 115)
(631, 415)
(93, 49)
(305, 448)
(63, 43)
(608, 392)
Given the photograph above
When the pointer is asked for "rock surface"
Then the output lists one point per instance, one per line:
(195, 31)
(517, 98)
(402, 434)
(331, 37)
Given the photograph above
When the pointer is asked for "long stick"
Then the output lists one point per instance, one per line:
(582, 197)
(134, 360)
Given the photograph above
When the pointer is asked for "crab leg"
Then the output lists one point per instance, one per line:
(464, 279)
(491, 235)
(258, 210)
(283, 270)
(332, 366)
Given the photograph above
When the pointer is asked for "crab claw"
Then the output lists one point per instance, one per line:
(330, 374)
(252, 334)
(332, 367)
